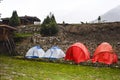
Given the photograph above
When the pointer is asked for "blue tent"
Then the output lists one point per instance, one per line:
(35, 52)
(54, 52)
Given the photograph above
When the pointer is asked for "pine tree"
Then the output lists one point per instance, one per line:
(49, 26)
(14, 20)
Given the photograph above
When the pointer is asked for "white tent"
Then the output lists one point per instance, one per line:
(35, 52)
(54, 53)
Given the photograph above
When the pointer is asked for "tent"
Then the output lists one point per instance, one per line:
(104, 54)
(54, 53)
(77, 53)
(35, 52)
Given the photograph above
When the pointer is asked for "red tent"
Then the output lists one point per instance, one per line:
(78, 53)
(104, 54)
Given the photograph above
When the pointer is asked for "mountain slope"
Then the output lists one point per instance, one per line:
(112, 15)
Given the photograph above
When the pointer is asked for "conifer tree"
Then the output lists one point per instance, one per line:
(14, 20)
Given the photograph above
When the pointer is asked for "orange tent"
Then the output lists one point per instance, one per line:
(104, 54)
(78, 53)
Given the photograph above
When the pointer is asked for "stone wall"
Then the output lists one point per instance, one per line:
(94, 34)
(28, 29)
(45, 42)
(89, 34)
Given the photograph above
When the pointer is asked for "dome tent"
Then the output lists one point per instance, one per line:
(104, 54)
(54, 53)
(77, 53)
(35, 52)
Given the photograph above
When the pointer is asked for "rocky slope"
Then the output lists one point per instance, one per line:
(89, 34)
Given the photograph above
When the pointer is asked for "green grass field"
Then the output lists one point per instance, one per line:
(19, 69)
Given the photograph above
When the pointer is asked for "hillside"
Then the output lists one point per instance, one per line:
(89, 34)
(93, 34)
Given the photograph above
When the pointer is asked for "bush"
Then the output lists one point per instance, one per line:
(49, 26)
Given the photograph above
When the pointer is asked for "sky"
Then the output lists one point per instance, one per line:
(69, 11)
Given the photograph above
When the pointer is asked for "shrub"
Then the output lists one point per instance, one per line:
(49, 26)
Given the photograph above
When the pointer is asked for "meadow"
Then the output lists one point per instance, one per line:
(21, 69)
